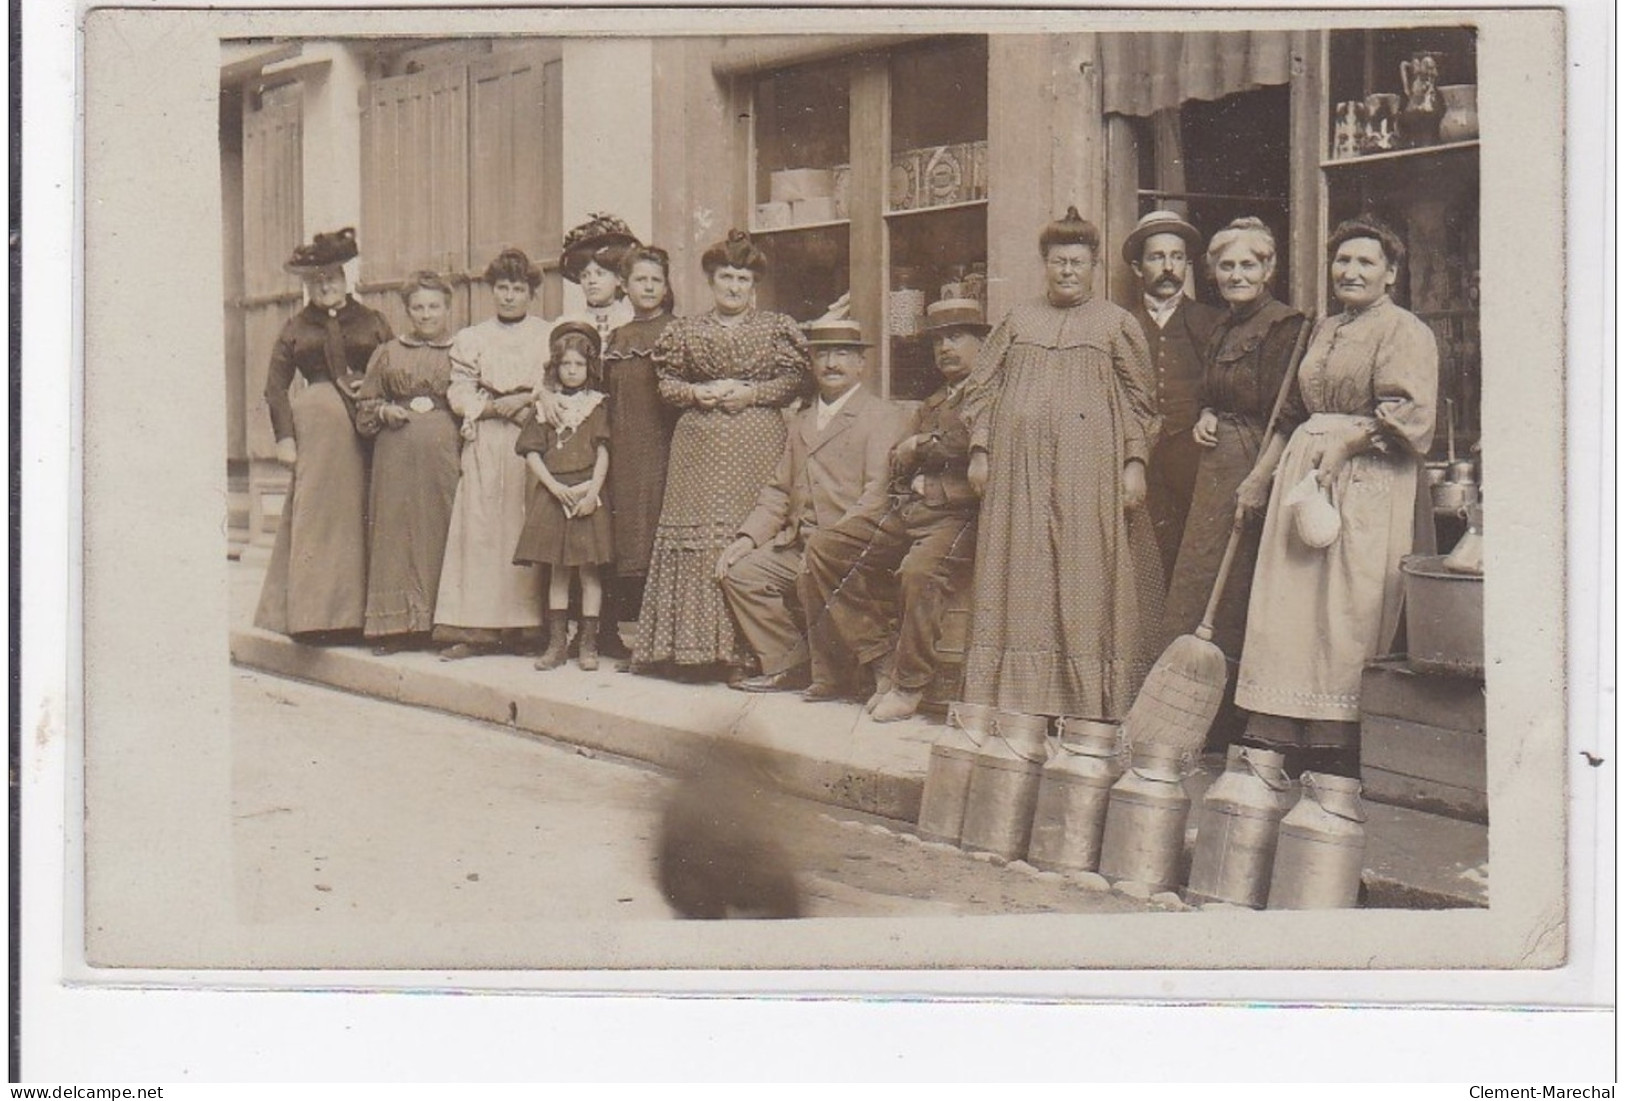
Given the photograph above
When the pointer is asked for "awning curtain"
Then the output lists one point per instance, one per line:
(1143, 73)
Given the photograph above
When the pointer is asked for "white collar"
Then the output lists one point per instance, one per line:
(827, 409)
(1161, 309)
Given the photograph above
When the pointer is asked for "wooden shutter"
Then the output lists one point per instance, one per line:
(273, 215)
(414, 171)
(514, 175)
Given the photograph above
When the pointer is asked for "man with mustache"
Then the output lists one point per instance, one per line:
(920, 546)
(834, 465)
(1177, 328)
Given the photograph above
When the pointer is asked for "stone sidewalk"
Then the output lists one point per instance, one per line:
(830, 752)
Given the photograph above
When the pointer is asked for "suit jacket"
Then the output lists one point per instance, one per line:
(943, 456)
(837, 471)
(1177, 361)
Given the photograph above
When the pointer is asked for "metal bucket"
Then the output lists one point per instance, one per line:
(948, 772)
(1444, 617)
(1004, 785)
(1145, 820)
(1321, 850)
(1237, 829)
(1073, 794)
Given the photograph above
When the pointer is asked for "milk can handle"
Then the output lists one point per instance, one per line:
(1285, 781)
(1309, 785)
(975, 736)
(1040, 759)
(1187, 762)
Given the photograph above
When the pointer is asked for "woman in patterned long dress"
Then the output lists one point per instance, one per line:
(1364, 414)
(486, 602)
(402, 406)
(731, 371)
(640, 433)
(316, 583)
(1062, 411)
(1244, 363)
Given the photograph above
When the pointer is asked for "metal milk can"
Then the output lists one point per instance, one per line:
(1004, 785)
(1145, 819)
(1072, 795)
(1321, 848)
(1237, 827)
(948, 772)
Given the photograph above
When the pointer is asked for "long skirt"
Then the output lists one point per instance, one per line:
(414, 481)
(481, 590)
(1317, 616)
(719, 463)
(317, 577)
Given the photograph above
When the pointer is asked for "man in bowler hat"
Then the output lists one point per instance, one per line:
(919, 545)
(835, 463)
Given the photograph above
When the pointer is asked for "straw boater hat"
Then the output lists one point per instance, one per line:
(325, 251)
(1160, 221)
(955, 313)
(835, 332)
(602, 237)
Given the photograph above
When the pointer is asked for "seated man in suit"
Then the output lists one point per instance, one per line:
(834, 463)
(923, 541)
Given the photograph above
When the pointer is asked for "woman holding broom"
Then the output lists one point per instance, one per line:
(1245, 363)
(1361, 418)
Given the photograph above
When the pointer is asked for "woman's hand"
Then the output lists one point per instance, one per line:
(732, 553)
(1206, 432)
(1134, 484)
(548, 406)
(587, 502)
(287, 452)
(511, 406)
(1253, 495)
(976, 472)
(393, 415)
(736, 396)
(351, 385)
(706, 394)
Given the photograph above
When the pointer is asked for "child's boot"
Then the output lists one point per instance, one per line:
(558, 635)
(589, 643)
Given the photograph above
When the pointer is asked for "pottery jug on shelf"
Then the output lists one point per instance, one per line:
(1424, 107)
(1460, 122)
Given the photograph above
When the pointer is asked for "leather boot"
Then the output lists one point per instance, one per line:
(589, 643)
(558, 635)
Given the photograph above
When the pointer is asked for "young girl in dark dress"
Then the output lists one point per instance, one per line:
(566, 525)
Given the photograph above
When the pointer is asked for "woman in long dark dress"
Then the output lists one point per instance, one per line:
(731, 371)
(640, 431)
(316, 584)
(402, 406)
(1245, 361)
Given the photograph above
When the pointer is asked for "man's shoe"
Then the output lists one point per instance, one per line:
(819, 692)
(896, 705)
(791, 680)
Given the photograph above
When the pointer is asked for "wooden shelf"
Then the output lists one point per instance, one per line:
(1402, 154)
(966, 205)
(831, 224)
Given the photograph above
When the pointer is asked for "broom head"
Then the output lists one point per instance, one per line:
(1180, 697)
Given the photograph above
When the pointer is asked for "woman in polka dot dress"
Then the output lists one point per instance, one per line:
(731, 371)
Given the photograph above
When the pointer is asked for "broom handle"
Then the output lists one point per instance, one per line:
(1205, 630)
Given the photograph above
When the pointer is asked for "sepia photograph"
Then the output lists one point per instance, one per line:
(1015, 503)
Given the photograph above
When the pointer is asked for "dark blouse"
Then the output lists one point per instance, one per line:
(302, 347)
(1247, 358)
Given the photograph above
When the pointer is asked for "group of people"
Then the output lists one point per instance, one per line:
(728, 481)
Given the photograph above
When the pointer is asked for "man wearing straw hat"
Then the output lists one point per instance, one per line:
(920, 546)
(835, 463)
(1177, 329)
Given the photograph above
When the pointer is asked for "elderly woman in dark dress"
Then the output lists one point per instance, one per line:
(1062, 411)
(402, 406)
(316, 585)
(1361, 419)
(1245, 361)
(731, 371)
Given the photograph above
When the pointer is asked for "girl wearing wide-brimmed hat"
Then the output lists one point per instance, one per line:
(316, 585)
